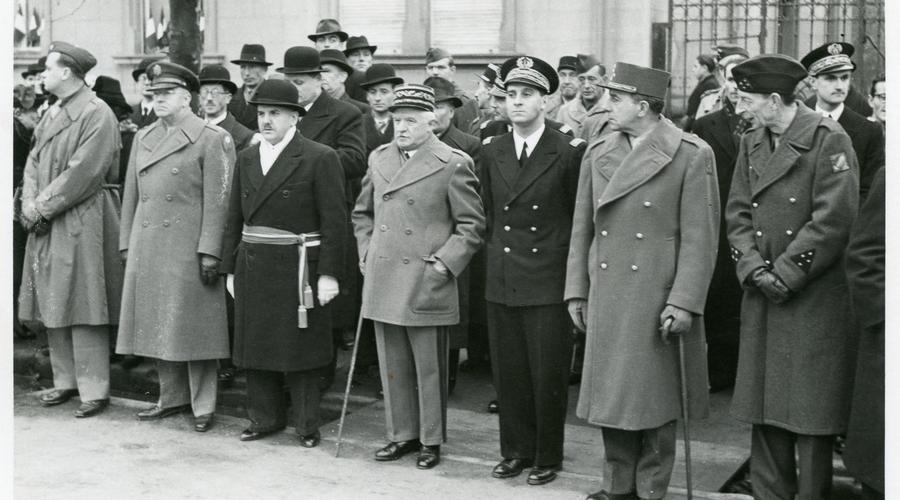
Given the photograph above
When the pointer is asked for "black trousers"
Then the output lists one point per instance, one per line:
(266, 402)
(531, 351)
(787, 465)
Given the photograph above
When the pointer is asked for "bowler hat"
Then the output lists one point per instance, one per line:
(567, 62)
(216, 73)
(639, 80)
(335, 57)
(142, 67)
(829, 58)
(530, 71)
(328, 27)
(768, 73)
(444, 90)
(380, 73)
(167, 75)
(412, 95)
(110, 91)
(83, 59)
(301, 60)
(436, 54)
(357, 43)
(252, 53)
(277, 92)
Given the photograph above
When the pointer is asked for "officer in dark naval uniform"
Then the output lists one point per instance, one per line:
(529, 181)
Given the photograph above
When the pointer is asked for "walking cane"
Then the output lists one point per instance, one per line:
(349, 382)
(684, 404)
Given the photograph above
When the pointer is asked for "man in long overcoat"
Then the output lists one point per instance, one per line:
(418, 221)
(173, 216)
(71, 281)
(287, 200)
(793, 199)
(643, 250)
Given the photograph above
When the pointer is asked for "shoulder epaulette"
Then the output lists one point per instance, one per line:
(484, 124)
(487, 140)
(577, 142)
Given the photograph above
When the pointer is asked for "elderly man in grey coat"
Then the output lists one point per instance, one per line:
(418, 221)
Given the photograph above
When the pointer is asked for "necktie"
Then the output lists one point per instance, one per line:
(524, 156)
(382, 126)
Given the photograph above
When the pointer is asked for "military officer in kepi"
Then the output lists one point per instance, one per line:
(529, 180)
(643, 250)
(418, 221)
(284, 245)
(793, 199)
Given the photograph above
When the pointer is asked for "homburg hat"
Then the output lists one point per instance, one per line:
(252, 53)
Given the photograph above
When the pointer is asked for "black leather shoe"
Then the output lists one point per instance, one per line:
(604, 495)
(493, 406)
(311, 440)
(543, 474)
(510, 467)
(57, 397)
(253, 435)
(393, 451)
(429, 456)
(203, 423)
(156, 413)
(91, 408)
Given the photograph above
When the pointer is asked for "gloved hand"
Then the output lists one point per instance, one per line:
(229, 285)
(209, 269)
(578, 313)
(41, 227)
(680, 323)
(29, 216)
(328, 289)
(771, 285)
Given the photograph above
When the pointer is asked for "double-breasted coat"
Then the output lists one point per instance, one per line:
(790, 210)
(71, 275)
(408, 214)
(303, 192)
(644, 235)
(174, 206)
(243, 112)
(339, 125)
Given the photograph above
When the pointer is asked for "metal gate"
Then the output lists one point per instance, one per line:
(791, 27)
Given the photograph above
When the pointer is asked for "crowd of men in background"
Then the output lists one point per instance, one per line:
(554, 222)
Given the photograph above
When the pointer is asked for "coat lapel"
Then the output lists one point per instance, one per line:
(612, 152)
(313, 122)
(429, 158)
(162, 144)
(545, 153)
(798, 137)
(285, 165)
(507, 164)
(66, 116)
(254, 170)
(643, 162)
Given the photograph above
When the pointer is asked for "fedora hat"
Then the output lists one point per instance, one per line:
(443, 91)
(328, 27)
(277, 92)
(301, 60)
(216, 73)
(380, 73)
(252, 53)
(357, 43)
(335, 57)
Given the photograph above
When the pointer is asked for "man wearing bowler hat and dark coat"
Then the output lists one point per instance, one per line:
(216, 92)
(529, 178)
(418, 221)
(173, 218)
(644, 239)
(253, 66)
(379, 84)
(284, 246)
(338, 125)
(334, 77)
(794, 197)
(360, 56)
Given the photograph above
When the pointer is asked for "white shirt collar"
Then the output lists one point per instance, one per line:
(268, 153)
(531, 140)
(835, 115)
(146, 108)
(220, 119)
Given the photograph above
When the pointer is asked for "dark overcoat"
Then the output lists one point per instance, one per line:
(244, 112)
(138, 117)
(644, 235)
(790, 210)
(374, 138)
(409, 214)
(360, 105)
(339, 125)
(239, 133)
(71, 275)
(529, 212)
(173, 209)
(301, 193)
(867, 138)
(864, 455)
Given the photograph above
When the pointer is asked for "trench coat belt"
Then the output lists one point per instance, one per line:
(272, 236)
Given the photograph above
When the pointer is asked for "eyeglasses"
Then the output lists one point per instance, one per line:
(213, 92)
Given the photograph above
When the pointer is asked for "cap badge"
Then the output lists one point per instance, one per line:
(524, 63)
(835, 49)
(157, 70)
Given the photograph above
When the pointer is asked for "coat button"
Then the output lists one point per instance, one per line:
(166, 223)
(647, 204)
(634, 267)
(759, 233)
(410, 201)
(603, 233)
(146, 223)
(143, 173)
(506, 249)
(755, 204)
(168, 197)
(384, 227)
(792, 199)
(533, 229)
(145, 197)
(603, 265)
(408, 231)
(534, 207)
(506, 228)
(246, 193)
(175, 171)
(768, 263)
(534, 250)
(386, 197)
(788, 232)
(285, 193)
(506, 208)
(639, 236)
(405, 260)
